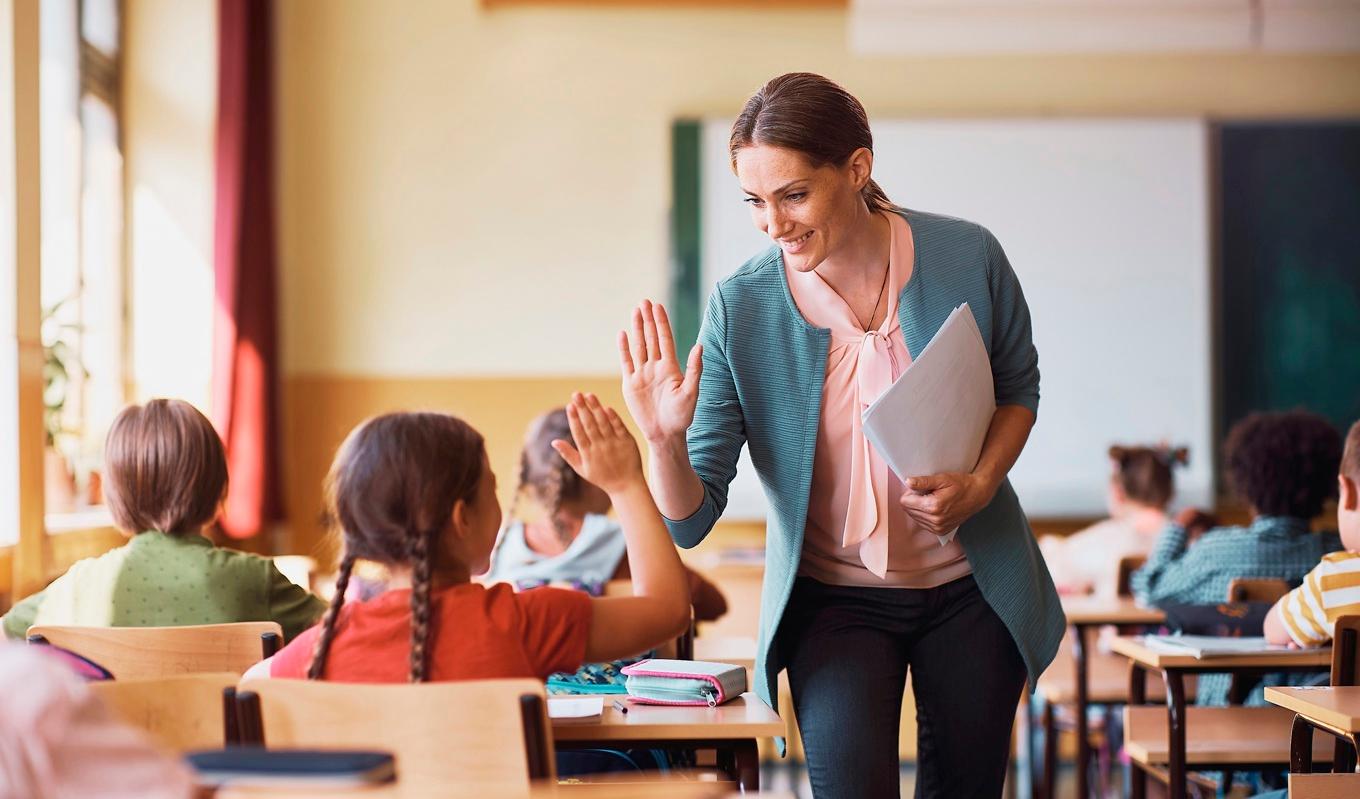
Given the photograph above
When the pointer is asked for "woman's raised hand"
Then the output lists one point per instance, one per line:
(605, 452)
(661, 399)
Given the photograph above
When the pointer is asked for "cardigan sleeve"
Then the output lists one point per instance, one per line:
(1015, 362)
(718, 432)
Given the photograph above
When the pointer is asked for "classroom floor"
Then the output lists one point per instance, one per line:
(792, 778)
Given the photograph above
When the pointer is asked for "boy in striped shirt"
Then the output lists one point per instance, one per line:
(1305, 616)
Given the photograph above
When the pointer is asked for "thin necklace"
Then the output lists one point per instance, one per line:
(882, 290)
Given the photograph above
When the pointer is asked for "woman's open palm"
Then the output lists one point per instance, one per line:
(661, 399)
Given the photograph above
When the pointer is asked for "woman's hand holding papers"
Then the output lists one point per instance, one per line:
(941, 502)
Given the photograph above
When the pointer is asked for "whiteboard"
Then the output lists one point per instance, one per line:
(1106, 224)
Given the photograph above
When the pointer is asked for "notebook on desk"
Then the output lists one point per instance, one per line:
(1211, 646)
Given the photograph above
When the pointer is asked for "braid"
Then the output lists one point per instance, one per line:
(554, 486)
(420, 604)
(323, 641)
(519, 489)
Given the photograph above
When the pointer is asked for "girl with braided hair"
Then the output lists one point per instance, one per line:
(573, 541)
(414, 492)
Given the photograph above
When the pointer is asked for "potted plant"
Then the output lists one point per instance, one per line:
(61, 361)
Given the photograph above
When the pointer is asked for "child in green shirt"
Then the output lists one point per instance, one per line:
(165, 475)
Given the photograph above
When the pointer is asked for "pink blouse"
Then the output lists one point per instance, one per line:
(857, 532)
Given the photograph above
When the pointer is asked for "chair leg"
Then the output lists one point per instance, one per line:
(1343, 756)
(1049, 785)
(1301, 747)
(249, 719)
(231, 728)
(533, 716)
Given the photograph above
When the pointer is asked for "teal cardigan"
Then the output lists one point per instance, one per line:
(763, 367)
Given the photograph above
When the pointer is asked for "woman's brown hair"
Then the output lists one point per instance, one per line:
(543, 472)
(164, 468)
(1144, 473)
(812, 115)
(391, 491)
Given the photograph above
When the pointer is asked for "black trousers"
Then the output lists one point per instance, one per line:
(847, 651)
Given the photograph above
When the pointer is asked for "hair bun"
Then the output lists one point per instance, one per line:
(1175, 455)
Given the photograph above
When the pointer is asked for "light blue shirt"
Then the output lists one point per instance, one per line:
(592, 557)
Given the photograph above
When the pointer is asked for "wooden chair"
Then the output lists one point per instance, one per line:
(192, 711)
(1127, 566)
(151, 652)
(1243, 589)
(457, 739)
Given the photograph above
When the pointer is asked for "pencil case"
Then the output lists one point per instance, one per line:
(684, 682)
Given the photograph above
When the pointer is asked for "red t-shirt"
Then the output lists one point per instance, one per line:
(476, 632)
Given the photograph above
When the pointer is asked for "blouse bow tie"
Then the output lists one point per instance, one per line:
(868, 499)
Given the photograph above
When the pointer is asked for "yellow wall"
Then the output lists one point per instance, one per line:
(169, 119)
(470, 201)
(473, 192)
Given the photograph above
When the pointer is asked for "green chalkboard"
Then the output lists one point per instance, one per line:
(1288, 269)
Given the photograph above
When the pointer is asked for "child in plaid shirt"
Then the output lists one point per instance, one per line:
(1283, 465)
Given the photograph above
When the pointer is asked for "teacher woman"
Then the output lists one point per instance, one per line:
(794, 345)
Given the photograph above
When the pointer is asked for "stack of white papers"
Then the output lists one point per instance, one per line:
(1208, 646)
(935, 417)
(575, 707)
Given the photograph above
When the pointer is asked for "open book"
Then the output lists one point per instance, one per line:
(1209, 646)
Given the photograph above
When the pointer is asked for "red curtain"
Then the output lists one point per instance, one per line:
(245, 349)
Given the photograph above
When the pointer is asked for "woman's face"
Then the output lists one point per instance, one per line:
(806, 210)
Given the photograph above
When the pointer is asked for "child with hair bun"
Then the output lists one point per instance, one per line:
(573, 541)
(1140, 489)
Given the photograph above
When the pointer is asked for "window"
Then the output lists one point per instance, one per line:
(83, 278)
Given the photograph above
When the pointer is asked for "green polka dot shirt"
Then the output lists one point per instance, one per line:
(163, 580)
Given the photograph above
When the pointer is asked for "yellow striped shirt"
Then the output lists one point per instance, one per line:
(1331, 590)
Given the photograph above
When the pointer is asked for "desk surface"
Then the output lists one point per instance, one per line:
(742, 718)
(1134, 648)
(1338, 708)
(651, 788)
(1097, 610)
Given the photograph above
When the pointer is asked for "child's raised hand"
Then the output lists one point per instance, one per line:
(605, 453)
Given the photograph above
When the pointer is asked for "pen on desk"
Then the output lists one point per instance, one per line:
(621, 707)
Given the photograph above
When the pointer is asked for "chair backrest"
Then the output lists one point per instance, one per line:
(1243, 589)
(180, 713)
(1127, 566)
(471, 738)
(1346, 651)
(150, 652)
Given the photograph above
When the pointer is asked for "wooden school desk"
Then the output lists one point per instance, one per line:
(1085, 613)
(657, 788)
(1334, 710)
(1246, 737)
(731, 728)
